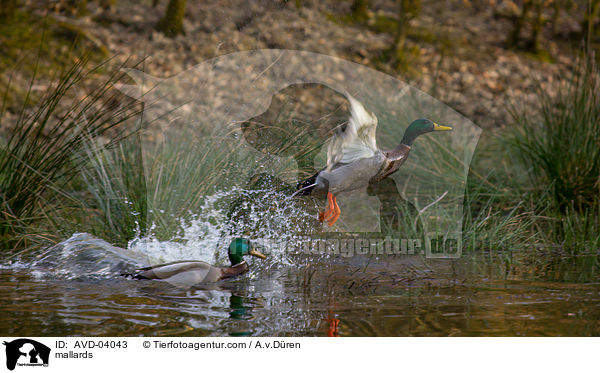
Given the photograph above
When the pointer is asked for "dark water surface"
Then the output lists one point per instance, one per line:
(340, 299)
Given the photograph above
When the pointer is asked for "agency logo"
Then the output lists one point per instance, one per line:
(26, 352)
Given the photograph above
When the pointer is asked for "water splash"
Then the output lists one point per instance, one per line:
(195, 238)
(83, 255)
(265, 216)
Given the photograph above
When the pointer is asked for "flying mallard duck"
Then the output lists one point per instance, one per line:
(354, 160)
(190, 272)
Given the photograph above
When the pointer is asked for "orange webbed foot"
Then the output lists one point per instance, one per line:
(325, 215)
(336, 213)
(332, 211)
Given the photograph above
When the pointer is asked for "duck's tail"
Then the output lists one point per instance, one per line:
(304, 191)
(305, 187)
(134, 276)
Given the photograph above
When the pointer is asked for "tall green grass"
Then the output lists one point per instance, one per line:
(560, 142)
(40, 153)
(112, 203)
(558, 147)
(139, 187)
(533, 193)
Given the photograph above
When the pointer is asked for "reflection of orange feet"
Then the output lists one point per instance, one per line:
(332, 211)
(333, 330)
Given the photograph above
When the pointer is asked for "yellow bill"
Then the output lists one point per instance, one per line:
(438, 127)
(257, 254)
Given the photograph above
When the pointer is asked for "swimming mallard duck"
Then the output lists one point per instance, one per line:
(190, 272)
(354, 160)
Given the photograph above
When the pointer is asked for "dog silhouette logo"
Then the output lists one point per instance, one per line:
(26, 352)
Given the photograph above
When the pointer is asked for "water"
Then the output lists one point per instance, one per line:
(399, 296)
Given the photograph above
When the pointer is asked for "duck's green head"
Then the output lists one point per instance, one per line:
(240, 247)
(419, 127)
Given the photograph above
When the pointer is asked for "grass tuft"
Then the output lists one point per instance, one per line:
(559, 142)
(40, 154)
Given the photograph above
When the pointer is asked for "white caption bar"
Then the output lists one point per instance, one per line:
(164, 354)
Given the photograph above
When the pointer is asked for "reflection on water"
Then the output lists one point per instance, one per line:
(74, 288)
(342, 300)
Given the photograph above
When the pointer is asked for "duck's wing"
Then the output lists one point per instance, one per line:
(168, 270)
(355, 139)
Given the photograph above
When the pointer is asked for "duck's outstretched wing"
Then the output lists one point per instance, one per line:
(355, 139)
